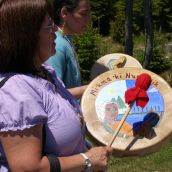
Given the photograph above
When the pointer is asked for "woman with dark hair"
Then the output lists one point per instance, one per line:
(72, 17)
(40, 122)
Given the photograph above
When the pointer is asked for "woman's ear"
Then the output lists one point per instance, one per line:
(63, 13)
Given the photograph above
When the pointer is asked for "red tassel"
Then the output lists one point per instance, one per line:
(138, 93)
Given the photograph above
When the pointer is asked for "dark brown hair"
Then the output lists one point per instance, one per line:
(20, 23)
(70, 5)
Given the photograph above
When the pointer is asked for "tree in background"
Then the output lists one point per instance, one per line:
(117, 31)
(89, 48)
(149, 32)
(128, 27)
(102, 13)
(138, 17)
(162, 13)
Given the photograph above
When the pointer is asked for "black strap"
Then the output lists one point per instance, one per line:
(43, 139)
(53, 160)
(6, 79)
(54, 163)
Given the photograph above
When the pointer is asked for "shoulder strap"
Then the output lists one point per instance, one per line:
(6, 79)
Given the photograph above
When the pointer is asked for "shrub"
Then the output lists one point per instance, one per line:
(91, 46)
(88, 51)
(159, 62)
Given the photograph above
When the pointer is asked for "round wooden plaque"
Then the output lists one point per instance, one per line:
(103, 105)
(111, 61)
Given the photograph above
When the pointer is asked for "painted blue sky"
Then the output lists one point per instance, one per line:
(118, 88)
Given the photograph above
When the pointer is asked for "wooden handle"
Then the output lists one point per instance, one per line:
(120, 126)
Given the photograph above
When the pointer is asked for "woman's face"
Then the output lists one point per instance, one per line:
(111, 112)
(46, 47)
(77, 21)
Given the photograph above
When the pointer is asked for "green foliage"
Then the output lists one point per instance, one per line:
(114, 12)
(117, 26)
(162, 14)
(138, 17)
(92, 45)
(159, 63)
(139, 55)
(139, 47)
(88, 51)
(101, 8)
(102, 13)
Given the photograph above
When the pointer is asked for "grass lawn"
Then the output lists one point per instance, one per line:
(157, 162)
(160, 161)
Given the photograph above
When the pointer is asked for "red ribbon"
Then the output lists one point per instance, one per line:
(138, 93)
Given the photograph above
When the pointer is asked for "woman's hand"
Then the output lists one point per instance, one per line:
(77, 92)
(99, 157)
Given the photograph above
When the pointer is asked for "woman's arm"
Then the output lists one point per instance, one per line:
(78, 91)
(23, 150)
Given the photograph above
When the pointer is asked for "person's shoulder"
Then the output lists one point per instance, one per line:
(51, 70)
(60, 40)
(62, 44)
(21, 104)
(20, 85)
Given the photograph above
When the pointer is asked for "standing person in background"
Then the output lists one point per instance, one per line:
(72, 17)
(40, 122)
